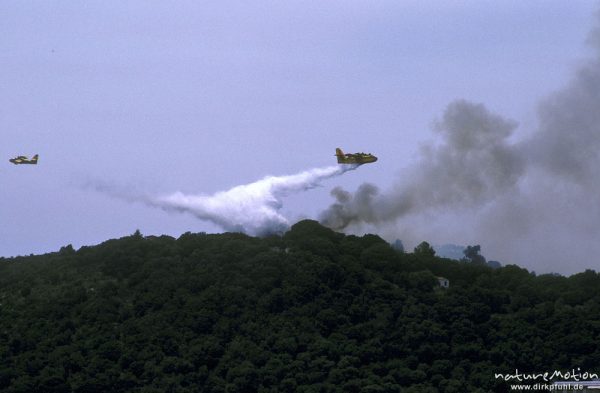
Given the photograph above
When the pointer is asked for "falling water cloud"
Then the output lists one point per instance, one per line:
(250, 208)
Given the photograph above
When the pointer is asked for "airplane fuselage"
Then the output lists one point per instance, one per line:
(354, 158)
(24, 160)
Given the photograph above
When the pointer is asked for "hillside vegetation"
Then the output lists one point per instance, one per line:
(311, 311)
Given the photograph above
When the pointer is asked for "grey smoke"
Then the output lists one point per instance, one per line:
(567, 142)
(472, 165)
(536, 198)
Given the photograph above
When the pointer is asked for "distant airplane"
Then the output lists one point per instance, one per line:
(354, 158)
(24, 160)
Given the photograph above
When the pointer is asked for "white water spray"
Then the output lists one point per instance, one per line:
(251, 208)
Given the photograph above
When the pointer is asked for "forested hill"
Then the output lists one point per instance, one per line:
(312, 311)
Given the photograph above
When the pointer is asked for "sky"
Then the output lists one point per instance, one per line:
(195, 98)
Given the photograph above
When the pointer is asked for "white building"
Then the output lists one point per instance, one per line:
(444, 282)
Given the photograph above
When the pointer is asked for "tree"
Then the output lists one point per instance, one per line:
(424, 250)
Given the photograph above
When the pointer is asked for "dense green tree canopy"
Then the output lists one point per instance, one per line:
(312, 311)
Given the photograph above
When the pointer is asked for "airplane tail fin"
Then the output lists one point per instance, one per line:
(34, 158)
(339, 154)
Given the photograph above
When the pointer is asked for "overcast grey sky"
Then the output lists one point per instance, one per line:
(199, 97)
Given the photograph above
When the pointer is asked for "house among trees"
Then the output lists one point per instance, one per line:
(444, 282)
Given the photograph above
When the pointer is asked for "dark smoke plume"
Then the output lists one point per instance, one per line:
(539, 195)
(472, 165)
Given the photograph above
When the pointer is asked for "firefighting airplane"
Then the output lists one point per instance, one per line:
(24, 160)
(354, 158)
